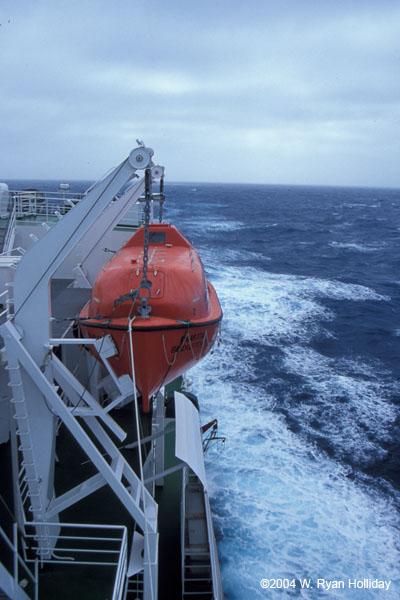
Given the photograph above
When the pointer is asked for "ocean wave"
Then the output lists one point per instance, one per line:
(358, 247)
(359, 205)
(282, 508)
(209, 225)
(277, 307)
(293, 493)
(224, 225)
(350, 404)
(231, 256)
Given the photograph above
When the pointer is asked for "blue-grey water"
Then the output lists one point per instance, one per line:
(305, 385)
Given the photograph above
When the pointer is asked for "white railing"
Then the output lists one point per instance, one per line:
(187, 478)
(103, 546)
(42, 206)
(20, 568)
(32, 206)
(6, 302)
(9, 239)
(215, 570)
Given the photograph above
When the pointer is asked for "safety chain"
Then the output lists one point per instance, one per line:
(162, 199)
(146, 223)
(144, 310)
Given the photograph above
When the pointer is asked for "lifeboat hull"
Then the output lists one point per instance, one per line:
(185, 312)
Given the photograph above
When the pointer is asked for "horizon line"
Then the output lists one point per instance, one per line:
(189, 182)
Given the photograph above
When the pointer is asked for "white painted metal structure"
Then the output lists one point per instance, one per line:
(37, 377)
(26, 216)
(10, 582)
(188, 444)
(45, 390)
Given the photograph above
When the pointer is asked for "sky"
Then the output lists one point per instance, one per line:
(252, 91)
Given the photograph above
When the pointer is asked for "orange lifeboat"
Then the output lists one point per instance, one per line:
(183, 317)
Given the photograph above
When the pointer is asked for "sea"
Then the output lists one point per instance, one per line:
(305, 385)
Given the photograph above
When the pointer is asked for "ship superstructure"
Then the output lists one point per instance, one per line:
(77, 429)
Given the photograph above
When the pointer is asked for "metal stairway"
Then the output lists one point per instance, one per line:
(113, 469)
(134, 496)
(197, 582)
(30, 495)
(7, 224)
(4, 228)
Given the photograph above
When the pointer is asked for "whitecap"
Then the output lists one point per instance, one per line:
(224, 225)
(281, 508)
(351, 407)
(230, 255)
(358, 247)
(277, 307)
(207, 224)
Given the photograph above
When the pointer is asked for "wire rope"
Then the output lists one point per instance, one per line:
(143, 488)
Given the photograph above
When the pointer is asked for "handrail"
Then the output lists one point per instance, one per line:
(35, 203)
(47, 207)
(218, 593)
(215, 570)
(120, 537)
(120, 577)
(10, 229)
(7, 302)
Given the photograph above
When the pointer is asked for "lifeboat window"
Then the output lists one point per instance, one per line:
(157, 237)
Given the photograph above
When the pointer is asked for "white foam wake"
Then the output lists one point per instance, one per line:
(282, 508)
(350, 404)
(276, 307)
(358, 247)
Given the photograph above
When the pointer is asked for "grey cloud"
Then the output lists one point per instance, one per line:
(297, 85)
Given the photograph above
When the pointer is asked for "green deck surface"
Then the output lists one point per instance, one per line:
(102, 507)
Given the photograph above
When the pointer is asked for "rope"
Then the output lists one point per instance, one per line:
(177, 352)
(186, 337)
(202, 346)
(171, 364)
(140, 451)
